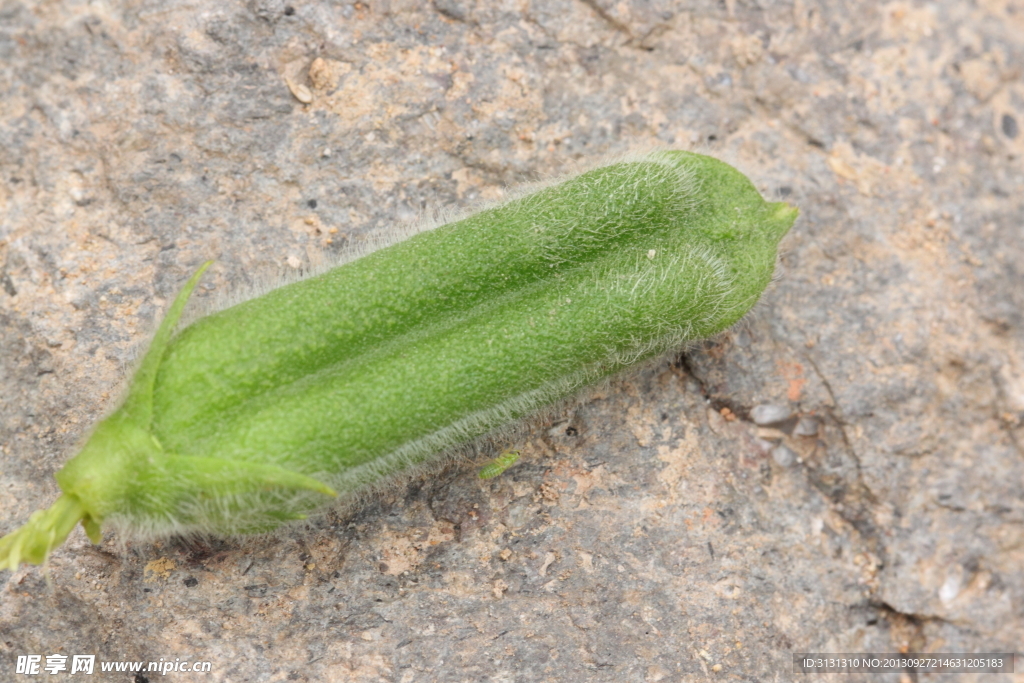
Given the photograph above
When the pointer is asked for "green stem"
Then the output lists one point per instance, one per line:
(45, 531)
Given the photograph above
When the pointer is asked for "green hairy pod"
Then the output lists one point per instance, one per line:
(263, 412)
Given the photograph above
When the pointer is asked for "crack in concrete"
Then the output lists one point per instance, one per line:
(915, 618)
(609, 19)
(742, 412)
(858, 517)
(854, 499)
(906, 629)
(1003, 408)
(450, 11)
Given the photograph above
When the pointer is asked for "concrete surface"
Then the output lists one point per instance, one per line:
(655, 533)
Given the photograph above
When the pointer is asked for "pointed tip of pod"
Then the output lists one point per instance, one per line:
(781, 217)
(784, 212)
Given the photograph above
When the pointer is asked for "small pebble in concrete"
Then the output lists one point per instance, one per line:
(784, 456)
(300, 91)
(768, 414)
(1010, 127)
(807, 426)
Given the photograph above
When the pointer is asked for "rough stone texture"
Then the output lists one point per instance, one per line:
(651, 535)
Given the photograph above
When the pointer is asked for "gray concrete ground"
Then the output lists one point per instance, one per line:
(654, 533)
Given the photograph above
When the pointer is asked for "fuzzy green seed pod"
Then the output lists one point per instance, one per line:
(262, 412)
